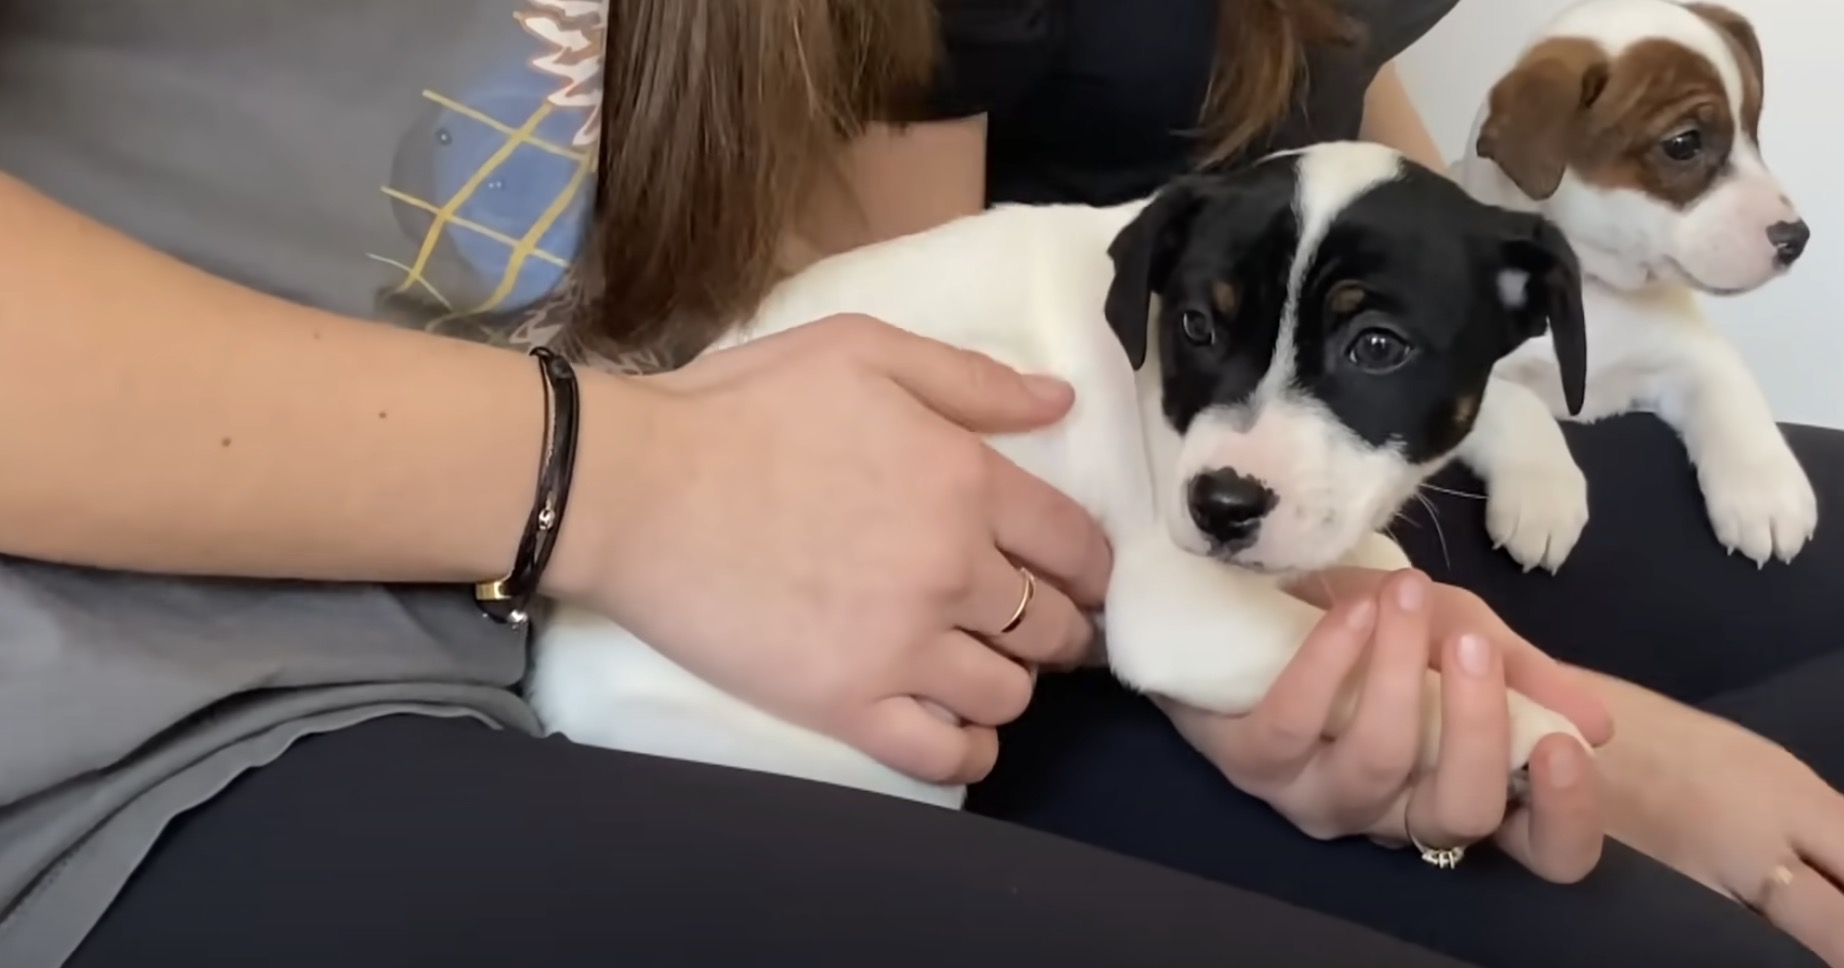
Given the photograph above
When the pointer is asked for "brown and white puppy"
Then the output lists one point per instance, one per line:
(1634, 125)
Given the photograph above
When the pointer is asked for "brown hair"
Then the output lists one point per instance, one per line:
(1261, 67)
(719, 118)
(722, 116)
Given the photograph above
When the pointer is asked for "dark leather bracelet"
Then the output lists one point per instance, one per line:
(508, 600)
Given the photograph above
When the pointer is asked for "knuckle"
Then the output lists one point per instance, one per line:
(982, 756)
(965, 469)
(1469, 823)
(1280, 736)
(824, 683)
(940, 566)
(1077, 638)
(852, 326)
(983, 376)
(1318, 826)
(934, 762)
(1378, 773)
(1013, 696)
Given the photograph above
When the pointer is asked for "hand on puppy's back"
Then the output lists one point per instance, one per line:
(820, 530)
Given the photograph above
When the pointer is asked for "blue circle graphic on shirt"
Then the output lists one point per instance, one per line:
(532, 191)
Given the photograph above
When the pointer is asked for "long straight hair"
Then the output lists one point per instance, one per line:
(721, 117)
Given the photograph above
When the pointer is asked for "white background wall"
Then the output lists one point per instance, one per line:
(1791, 331)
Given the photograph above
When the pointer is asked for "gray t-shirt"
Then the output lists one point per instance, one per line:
(425, 162)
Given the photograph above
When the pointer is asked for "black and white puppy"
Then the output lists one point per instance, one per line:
(1267, 365)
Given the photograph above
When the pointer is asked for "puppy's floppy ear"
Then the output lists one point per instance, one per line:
(1537, 112)
(1143, 253)
(1542, 289)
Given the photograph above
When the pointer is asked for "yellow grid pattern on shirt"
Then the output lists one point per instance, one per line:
(446, 214)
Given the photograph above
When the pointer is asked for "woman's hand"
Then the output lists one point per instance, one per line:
(1366, 781)
(1454, 611)
(1730, 809)
(819, 528)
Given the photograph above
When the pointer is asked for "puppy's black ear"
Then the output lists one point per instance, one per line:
(1143, 253)
(1538, 255)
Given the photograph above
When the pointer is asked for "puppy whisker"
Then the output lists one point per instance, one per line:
(1434, 517)
(1453, 493)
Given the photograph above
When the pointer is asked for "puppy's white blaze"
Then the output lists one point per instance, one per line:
(1332, 487)
(1619, 24)
(1514, 288)
(1328, 179)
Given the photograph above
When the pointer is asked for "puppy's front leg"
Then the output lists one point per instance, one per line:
(1204, 633)
(1760, 501)
(1215, 637)
(1536, 495)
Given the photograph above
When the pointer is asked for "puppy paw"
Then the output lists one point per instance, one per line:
(1536, 512)
(1762, 505)
(1530, 724)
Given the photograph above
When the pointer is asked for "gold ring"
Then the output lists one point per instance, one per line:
(1445, 858)
(1780, 878)
(1024, 600)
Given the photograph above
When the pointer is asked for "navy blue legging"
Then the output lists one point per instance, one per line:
(413, 841)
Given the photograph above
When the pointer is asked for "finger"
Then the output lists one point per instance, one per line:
(1376, 757)
(968, 388)
(1027, 619)
(1047, 531)
(1819, 838)
(1464, 801)
(1559, 834)
(1807, 905)
(969, 679)
(1527, 668)
(1560, 687)
(1276, 740)
(906, 736)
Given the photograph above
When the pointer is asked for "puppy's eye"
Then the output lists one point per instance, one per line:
(1197, 327)
(1686, 145)
(1378, 350)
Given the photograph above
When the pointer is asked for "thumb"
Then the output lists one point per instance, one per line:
(972, 389)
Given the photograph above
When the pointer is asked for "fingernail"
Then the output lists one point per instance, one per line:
(1564, 768)
(1475, 655)
(1410, 593)
(1047, 388)
(1360, 616)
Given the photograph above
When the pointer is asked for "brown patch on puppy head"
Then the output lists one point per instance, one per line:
(1654, 119)
(1345, 299)
(1223, 297)
(1536, 112)
(1464, 410)
(1741, 38)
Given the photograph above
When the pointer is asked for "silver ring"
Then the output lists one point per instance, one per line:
(1445, 858)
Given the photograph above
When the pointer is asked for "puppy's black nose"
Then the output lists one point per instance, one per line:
(1789, 241)
(1228, 507)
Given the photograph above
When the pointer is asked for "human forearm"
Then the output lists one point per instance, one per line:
(1632, 772)
(184, 424)
(894, 181)
(1391, 118)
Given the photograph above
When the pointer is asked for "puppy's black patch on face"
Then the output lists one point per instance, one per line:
(1411, 296)
(1238, 237)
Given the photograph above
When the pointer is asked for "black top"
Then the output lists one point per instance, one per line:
(1096, 101)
